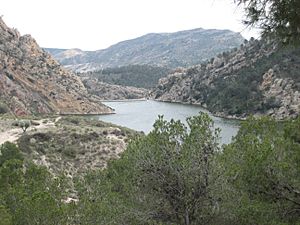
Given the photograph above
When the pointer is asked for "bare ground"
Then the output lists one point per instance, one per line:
(12, 134)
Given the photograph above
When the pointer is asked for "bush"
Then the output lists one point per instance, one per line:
(69, 152)
(9, 151)
(262, 166)
(166, 177)
(23, 124)
(3, 108)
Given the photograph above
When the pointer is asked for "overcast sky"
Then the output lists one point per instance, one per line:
(97, 24)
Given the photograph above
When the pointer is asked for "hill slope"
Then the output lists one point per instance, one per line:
(183, 48)
(140, 76)
(32, 82)
(258, 78)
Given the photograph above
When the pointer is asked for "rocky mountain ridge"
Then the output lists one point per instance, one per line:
(32, 82)
(258, 78)
(183, 48)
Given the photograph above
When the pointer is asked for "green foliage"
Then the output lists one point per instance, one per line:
(141, 76)
(105, 198)
(275, 18)
(240, 94)
(262, 165)
(176, 174)
(8, 152)
(23, 124)
(5, 217)
(29, 194)
(165, 177)
(176, 170)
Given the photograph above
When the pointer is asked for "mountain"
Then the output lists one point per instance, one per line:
(140, 76)
(258, 78)
(183, 48)
(32, 82)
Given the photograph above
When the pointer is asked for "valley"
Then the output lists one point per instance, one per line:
(192, 127)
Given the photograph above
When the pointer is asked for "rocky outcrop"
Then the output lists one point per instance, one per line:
(258, 78)
(183, 48)
(32, 82)
(107, 91)
(282, 93)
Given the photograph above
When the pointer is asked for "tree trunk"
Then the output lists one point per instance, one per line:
(186, 217)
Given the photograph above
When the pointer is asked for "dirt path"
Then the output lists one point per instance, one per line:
(13, 134)
(10, 135)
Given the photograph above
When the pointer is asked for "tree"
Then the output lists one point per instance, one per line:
(25, 124)
(166, 177)
(29, 193)
(262, 165)
(9, 151)
(280, 19)
(174, 166)
(5, 217)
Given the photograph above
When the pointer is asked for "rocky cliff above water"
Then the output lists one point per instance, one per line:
(258, 78)
(32, 82)
(183, 48)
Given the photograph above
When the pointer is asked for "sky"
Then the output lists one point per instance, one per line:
(98, 24)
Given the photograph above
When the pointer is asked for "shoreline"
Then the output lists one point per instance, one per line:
(86, 114)
(127, 100)
(212, 113)
(178, 102)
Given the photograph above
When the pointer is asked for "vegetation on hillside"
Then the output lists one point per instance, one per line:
(174, 175)
(3, 108)
(141, 76)
(231, 84)
(243, 88)
(81, 144)
(29, 194)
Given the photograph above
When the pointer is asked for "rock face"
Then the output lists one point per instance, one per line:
(32, 82)
(258, 78)
(107, 91)
(183, 48)
(284, 93)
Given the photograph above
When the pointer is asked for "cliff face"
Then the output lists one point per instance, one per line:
(259, 78)
(32, 82)
(183, 48)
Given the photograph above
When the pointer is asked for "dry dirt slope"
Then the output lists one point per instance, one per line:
(69, 145)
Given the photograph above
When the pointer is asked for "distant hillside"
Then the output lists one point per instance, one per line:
(141, 76)
(107, 91)
(258, 78)
(32, 82)
(183, 48)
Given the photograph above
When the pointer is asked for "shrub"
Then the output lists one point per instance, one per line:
(3, 108)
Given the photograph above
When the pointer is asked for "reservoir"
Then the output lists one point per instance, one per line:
(141, 115)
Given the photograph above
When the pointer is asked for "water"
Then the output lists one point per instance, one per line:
(140, 115)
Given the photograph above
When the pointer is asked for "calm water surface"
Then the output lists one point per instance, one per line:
(140, 115)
